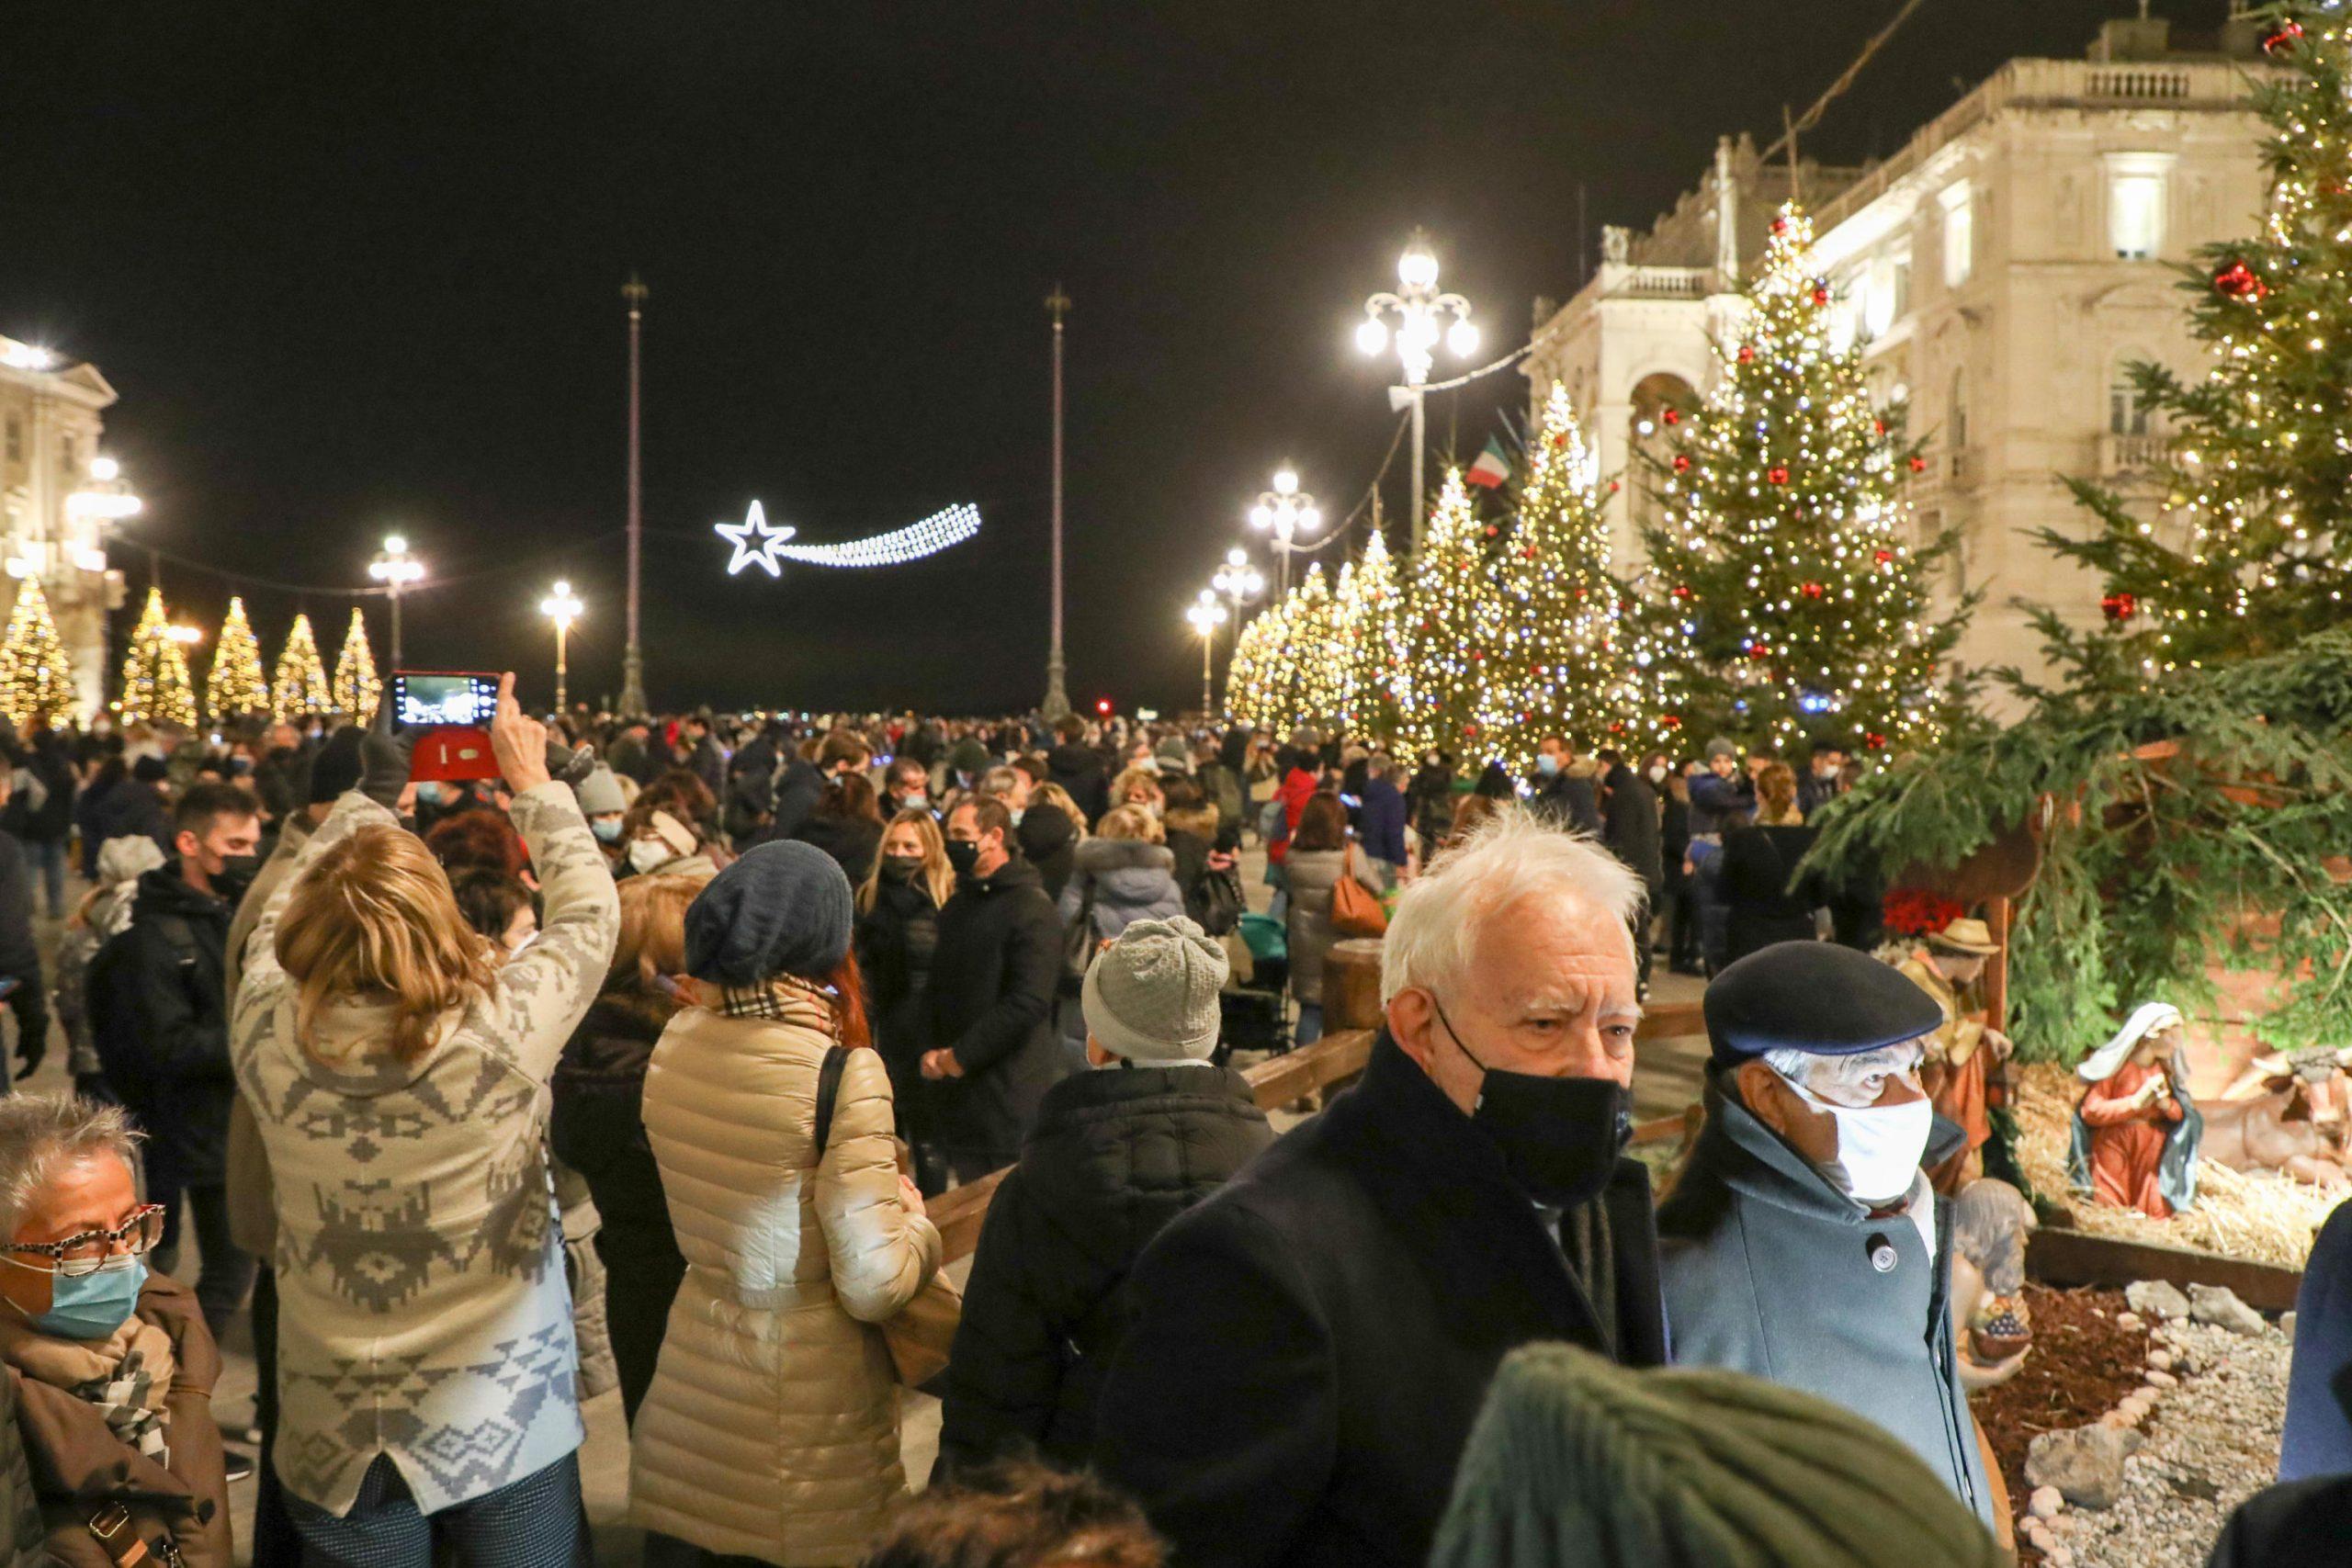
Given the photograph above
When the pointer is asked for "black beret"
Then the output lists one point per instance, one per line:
(151, 769)
(783, 909)
(1814, 997)
(334, 772)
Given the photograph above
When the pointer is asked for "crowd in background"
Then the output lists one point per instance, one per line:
(635, 1065)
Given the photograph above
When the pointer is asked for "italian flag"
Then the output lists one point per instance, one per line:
(1491, 468)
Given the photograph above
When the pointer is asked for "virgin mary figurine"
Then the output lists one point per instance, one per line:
(2136, 1130)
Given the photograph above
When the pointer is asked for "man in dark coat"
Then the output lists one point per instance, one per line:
(159, 1011)
(1118, 1153)
(20, 955)
(1629, 830)
(993, 976)
(137, 805)
(1564, 791)
(1078, 768)
(1804, 1242)
(1312, 1342)
(703, 758)
(48, 825)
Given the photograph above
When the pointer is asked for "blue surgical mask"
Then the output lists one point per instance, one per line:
(429, 793)
(92, 1306)
(607, 829)
(1547, 765)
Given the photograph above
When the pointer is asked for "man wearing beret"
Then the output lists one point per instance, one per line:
(1804, 1243)
(1312, 1343)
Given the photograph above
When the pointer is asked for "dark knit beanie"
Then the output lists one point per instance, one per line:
(334, 772)
(1576, 1460)
(151, 769)
(969, 757)
(783, 909)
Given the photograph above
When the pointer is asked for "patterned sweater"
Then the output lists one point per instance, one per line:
(422, 1309)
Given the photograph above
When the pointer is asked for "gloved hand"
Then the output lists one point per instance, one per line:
(566, 765)
(384, 760)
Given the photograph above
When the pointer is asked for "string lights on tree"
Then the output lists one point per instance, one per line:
(1454, 623)
(1371, 623)
(234, 687)
(2252, 550)
(155, 684)
(1795, 603)
(36, 675)
(301, 684)
(357, 688)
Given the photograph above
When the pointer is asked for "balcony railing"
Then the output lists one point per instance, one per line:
(2123, 454)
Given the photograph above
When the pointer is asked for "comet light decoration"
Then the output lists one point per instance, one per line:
(759, 543)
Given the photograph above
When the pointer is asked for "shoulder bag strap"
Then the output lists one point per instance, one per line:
(828, 1089)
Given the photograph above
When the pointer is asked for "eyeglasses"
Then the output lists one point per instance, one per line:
(88, 1252)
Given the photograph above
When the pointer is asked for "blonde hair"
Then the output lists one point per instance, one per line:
(653, 930)
(1132, 822)
(937, 875)
(1131, 778)
(374, 918)
(1776, 798)
(1053, 795)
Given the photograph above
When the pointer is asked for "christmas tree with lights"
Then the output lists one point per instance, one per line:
(301, 684)
(1371, 620)
(155, 684)
(1797, 604)
(36, 676)
(1249, 697)
(1453, 620)
(2252, 550)
(1316, 652)
(234, 687)
(1571, 661)
(357, 688)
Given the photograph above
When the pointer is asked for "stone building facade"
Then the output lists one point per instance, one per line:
(57, 494)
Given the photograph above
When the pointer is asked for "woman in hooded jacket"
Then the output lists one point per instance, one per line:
(1123, 873)
(1319, 857)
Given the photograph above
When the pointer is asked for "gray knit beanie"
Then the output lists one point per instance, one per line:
(1152, 996)
(600, 794)
(1720, 746)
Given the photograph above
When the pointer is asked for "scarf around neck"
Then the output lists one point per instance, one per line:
(125, 1376)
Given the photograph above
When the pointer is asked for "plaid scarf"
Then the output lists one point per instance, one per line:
(130, 1398)
(126, 1376)
(783, 997)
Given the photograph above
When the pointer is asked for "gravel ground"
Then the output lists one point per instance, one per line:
(2212, 1442)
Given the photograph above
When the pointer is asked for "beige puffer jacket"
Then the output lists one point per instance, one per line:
(771, 1428)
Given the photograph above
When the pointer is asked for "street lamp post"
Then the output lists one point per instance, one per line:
(1418, 306)
(1057, 700)
(564, 607)
(396, 569)
(633, 293)
(1288, 512)
(1241, 582)
(1206, 615)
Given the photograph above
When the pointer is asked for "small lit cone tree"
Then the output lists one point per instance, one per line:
(1317, 653)
(1249, 692)
(234, 687)
(1566, 663)
(1784, 545)
(300, 685)
(155, 684)
(357, 687)
(1371, 614)
(1454, 624)
(36, 676)
(2255, 551)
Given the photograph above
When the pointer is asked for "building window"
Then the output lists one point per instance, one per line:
(1958, 416)
(1960, 234)
(2135, 203)
(2127, 414)
(16, 440)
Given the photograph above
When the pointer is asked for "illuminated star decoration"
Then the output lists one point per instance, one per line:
(933, 533)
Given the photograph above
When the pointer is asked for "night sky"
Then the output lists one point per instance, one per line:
(355, 267)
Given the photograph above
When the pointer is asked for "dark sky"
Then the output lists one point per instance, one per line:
(355, 267)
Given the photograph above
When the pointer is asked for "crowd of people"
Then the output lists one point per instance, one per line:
(638, 1066)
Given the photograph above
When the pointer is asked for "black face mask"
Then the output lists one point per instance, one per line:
(900, 868)
(1559, 1137)
(963, 855)
(236, 875)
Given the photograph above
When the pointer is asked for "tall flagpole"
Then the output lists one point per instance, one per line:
(1057, 700)
(633, 659)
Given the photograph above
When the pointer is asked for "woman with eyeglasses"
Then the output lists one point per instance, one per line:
(112, 1367)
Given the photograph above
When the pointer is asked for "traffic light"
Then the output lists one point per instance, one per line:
(1103, 707)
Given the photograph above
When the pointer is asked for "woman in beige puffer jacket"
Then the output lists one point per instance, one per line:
(771, 1428)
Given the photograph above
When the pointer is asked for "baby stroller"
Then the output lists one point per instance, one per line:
(1256, 1014)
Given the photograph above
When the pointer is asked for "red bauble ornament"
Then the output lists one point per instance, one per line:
(1918, 463)
(1492, 531)
(1814, 591)
(1820, 295)
(1881, 557)
(1671, 721)
(2120, 607)
(2287, 34)
(1561, 439)
(1759, 651)
(1682, 591)
(1878, 427)
(1681, 464)
(1613, 487)
(1746, 355)
(1672, 416)
(2237, 280)
(1780, 224)
(1529, 552)
(1874, 740)
(1778, 476)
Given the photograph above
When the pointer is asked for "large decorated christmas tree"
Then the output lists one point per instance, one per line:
(1371, 619)
(2253, 548)
(36, 676)
(300, 685)
(1454, 623)
(1798, 602)
(234, 686)
(1256, 690)
(155, 684)
(1318, 652)
(357, 688)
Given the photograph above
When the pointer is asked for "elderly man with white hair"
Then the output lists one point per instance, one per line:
(1312, 1343)
(1804, 1242)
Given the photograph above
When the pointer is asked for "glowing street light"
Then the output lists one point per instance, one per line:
(564, 607)
(186, 637)
(1419, 309)
(1241, 582)
(107, 497)
(396, 569)
(1206, 615)
(1289, 514)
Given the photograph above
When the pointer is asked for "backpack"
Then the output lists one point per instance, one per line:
(125, 1054)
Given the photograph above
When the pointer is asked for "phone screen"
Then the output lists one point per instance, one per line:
(434, 702)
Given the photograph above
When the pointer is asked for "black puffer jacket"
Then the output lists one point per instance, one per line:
(1079, 771)
(1117, 1154)
(598, 1129)
(895, 939)
(159, 1014)
(993, 980)
(1048, 841)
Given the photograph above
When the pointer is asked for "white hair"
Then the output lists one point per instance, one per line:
(1798, 1067)
(1440, 919)
(42, 1133)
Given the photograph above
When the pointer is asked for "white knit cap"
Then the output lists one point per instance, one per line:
(1152, 996)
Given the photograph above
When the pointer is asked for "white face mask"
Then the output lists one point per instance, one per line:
(1658, 775)
(1879, 1146)
(647, 853)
